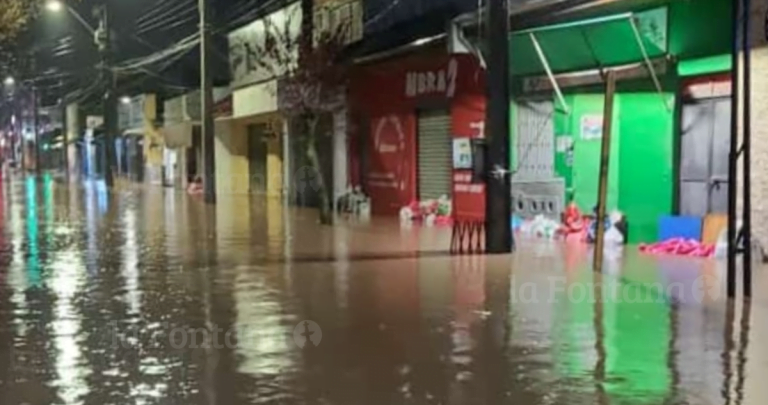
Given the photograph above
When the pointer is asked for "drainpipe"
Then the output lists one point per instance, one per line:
(733, 154)
(746, 228)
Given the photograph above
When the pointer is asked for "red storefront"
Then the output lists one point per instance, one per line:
(416, 110)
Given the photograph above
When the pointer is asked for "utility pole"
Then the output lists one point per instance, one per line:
(498, 202)
(36, 126)
(104, 42)
(65, 139)
(18, 128)
(206, 94)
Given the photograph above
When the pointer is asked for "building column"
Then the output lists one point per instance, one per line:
(287, 164)
(340, 153)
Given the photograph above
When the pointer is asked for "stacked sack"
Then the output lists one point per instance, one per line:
(428, 212)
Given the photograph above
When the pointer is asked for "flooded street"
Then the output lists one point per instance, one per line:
(147, 296)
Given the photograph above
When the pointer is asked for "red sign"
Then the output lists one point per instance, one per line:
(392, 175)
(468, 121)
(390, 94)
(402, 84)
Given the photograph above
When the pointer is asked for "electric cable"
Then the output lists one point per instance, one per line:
(183, 14)
(171, 12)
(181, 46)
(381, 14)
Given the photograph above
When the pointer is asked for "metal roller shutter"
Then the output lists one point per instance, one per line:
(434, 154)
(535, 140)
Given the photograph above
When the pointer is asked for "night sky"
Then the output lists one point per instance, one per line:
(66, 59)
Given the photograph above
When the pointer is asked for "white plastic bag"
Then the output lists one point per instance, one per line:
(613, 237)
(406, 215)
(365, 210)
(721, 246)
(429, 221)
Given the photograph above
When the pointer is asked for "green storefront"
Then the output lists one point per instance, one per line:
(556, 119)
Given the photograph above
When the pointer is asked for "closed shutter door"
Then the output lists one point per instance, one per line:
(257, 159)
(434, 154)
(535, 141)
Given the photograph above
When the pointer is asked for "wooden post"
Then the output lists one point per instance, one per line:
(605, 155)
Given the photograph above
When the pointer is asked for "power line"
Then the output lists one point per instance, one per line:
(179, 23)
(160, 6)
(148, 19)
(181, 46)
(381, 14)
(251, 15)
(165, 22)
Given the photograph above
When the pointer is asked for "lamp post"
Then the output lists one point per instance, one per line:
(206, 94)
(101, 38)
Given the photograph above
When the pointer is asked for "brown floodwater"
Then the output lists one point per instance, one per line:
(147, 296)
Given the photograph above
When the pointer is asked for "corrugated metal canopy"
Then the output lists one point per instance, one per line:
(591, 44)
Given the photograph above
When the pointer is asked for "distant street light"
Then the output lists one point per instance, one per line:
(57, 6)
(125, 100)
(54, 5)
(9, 81)
(102, 42)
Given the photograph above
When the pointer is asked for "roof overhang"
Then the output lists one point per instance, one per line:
(596, 43)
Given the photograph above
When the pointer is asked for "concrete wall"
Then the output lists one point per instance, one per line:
(254, 100)
(231, 148)
(759, 109)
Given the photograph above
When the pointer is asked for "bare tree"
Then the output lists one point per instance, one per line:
(14, 15)
(312, 82)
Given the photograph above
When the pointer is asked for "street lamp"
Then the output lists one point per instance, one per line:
(54, 5)
(9, 81)
(57, 6)
(101, 39)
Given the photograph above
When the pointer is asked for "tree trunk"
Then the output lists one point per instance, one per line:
(326, 215)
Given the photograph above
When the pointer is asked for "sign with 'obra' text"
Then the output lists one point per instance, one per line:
(433, 82)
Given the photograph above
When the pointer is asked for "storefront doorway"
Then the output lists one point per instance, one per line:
(170, 167)
(536, 188)
(535, 141)
(135, 156)
(257, 158)
(434, 156)
(705, 144)
(195, 155)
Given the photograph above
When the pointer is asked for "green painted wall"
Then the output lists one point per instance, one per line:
(586, 153)
(699, 28)
(646, 184)
(703, 66)
(643, 132)
(563, 164)
(643, 158)
(513, 137)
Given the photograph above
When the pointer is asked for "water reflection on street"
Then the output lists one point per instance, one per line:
(147, 296)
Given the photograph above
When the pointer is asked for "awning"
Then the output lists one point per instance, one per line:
(178, 135)
(597, 43)
(614, 40)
